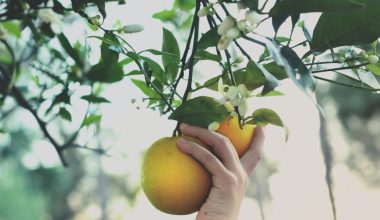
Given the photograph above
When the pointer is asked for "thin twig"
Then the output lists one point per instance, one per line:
(341, 68)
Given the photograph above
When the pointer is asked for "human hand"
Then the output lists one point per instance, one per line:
(230, 175)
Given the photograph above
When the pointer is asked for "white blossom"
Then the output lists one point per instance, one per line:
(48, 16)
(243, 90)
(253, 17)
(232, 33)
(227, 24)
(243, 106)
(236, 96)
(132, 28)
(373, 59)
(223, 43)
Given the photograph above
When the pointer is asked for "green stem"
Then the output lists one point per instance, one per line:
(341, 68)
(347, 85)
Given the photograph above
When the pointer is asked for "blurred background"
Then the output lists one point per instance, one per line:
(330, 164)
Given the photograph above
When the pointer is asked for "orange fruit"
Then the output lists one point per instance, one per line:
(173, 181)
(240, 138)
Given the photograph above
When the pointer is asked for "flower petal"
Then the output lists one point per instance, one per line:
(243, 106)
(232, 92)
(243, 90)
(235, 101)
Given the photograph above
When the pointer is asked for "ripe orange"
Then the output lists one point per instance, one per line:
(173, 181)
(240, 138)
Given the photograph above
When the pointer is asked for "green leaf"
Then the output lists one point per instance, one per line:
(253, 78)
(185, 5)
(92, 119)
(170, 62)
(294, 67)
(144, 88)
(291, 7)
(12, 27)
(134, 72)
(165, 15)
(297, 70)
(209, 39)
(374, 68)
(271, 93)
(106, 73)
(78, 5)
(58, 7)
(101, 7)
(62, 97)
(95, 99)
(200, 111)
(105, 40)
(205, 55)
(65, 114)
(109, 55)
(70, 50)
(252, 4)
(259, 73)
(2, 131)
(125, 61)
(265, 116)
(349, 28)
(158, 53)
(152, 68)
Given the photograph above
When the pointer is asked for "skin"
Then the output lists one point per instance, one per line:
(230, 175)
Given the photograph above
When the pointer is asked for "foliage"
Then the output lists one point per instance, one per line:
(41, 66)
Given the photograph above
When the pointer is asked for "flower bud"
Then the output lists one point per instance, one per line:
(213, 126)
(229, 107)
(341, 59)
(239, 59)
(227, 24)
(132, 28)
(95, 20)
(373, 59)
(252, 17)
(203, 12)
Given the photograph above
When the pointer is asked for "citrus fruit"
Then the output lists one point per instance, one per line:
(240, 137)
(173, 181)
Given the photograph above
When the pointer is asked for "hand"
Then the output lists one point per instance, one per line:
(230, 175)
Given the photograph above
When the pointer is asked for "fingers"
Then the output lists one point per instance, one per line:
(252, 156)
(221, 146)
(204, 156)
